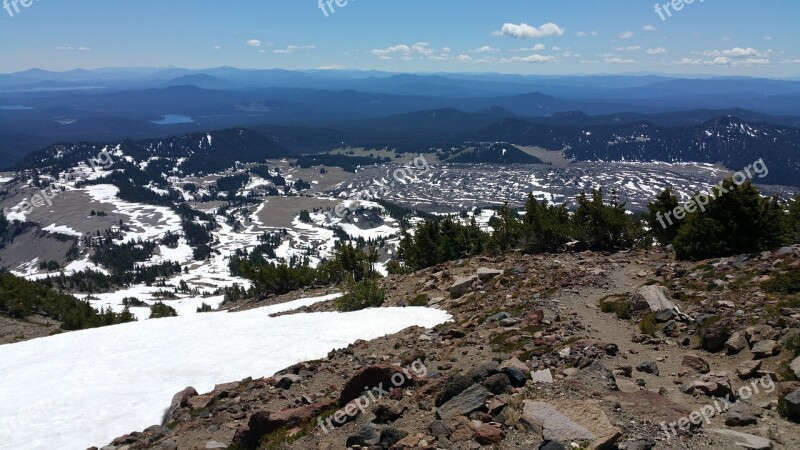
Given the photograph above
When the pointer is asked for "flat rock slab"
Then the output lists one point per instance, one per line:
(570, 421)
(486, 274)
(764, 349)
(596, 377)
(651, 297)
(744, 440)
(657, 408)
(795, 366)
(472, 399)
(461, 286)
(542, 376)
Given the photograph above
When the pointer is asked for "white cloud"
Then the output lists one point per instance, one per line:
(423, 48)
(767, 38)
(294, 48)
(649, 28)
(407, 52)
(533, 59)
(617, 60)
(525, 31)
(736, 52)
(535, 48)
(753, 62)
(791, 61)
(463, 58)
(71, 48)
(727, 38)
(402, 48)
(485, 49)
(254, 43)
(724, 61)
(627, 35)
(656, 51)
(586, 33)
(216, 47)
(632, 48)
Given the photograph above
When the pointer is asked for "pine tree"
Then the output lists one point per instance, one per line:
(664, 228)
(739, 221)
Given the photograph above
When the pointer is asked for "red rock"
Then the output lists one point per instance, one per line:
(488, 435)
(532, 318)
(200, 401)
(263, 423)
(180, 400)
(396, 394)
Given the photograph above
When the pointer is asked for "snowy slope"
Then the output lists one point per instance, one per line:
(84, 388)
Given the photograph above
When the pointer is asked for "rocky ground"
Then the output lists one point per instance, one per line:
(14, 330)
(627, 351)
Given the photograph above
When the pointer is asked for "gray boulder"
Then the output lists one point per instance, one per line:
(765, 349)
(486, 274)
(473, 399)
(461, 286)
(743, 439)
(651, 298)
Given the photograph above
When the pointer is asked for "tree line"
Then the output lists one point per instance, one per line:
(740, 221)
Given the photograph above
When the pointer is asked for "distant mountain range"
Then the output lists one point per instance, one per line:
(727, 139)
(193, 153)
(299, 112)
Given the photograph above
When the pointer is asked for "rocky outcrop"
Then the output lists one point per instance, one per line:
(650, 298)
(262, 423)
(570, 421)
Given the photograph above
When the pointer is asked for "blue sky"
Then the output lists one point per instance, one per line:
(716, 37)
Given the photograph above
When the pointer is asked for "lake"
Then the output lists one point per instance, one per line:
(172, 119)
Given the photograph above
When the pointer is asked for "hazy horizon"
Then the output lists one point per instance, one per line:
(734, 38)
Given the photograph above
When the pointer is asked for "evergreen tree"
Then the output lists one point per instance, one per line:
(506, 229)
(602, 227)
(545, 228)
(793, 221)
(736, 222)
(664, 228)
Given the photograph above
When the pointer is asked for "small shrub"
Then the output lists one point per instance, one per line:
(714, 332)
(793, 345)
(617, 305)
(204, 308)
(648, 324)
(786, 283)
(395, 268)
(361, 295)
(133, 302)
(160, 310)
(420, 300)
